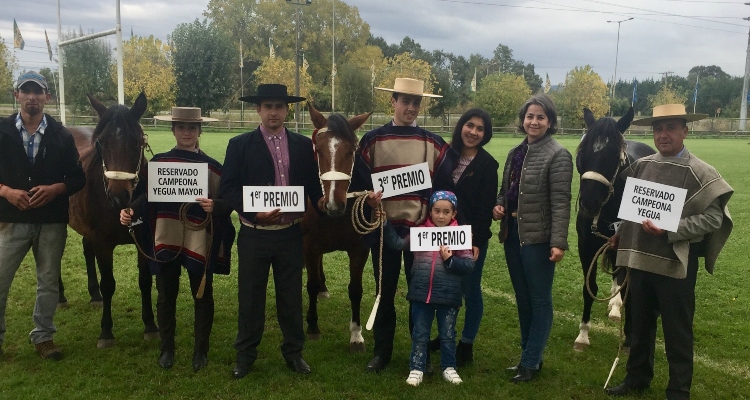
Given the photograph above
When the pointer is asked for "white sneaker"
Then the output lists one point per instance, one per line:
(450, 375)
(415, 377)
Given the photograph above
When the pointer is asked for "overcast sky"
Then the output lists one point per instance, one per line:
(554, 35)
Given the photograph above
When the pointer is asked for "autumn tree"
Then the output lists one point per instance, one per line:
(583, 88)
(7, 65)
(87, 70)
(279, 70)
(502, 95)
(401, 66)
(667, 95)
(148, 68)
(202, 55)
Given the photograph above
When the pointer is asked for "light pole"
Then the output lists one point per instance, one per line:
(617, 53)
(296, 57)
(333, 58)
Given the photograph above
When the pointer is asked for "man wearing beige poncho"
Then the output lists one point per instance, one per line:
(664, 265)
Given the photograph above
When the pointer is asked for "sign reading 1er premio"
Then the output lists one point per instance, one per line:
(174, 182)
(269, 198)
(430, 239)
(402, 180)
(643, 200)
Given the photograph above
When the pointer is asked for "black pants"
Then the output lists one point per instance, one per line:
(168, 286)
(259, 250)
(384, 328)
(652, 294)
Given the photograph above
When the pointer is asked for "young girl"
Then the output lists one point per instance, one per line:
(435, 290)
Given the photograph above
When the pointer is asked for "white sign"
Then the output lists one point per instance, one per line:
(177, 182)
(402, 180)
(430, 239)
(269, 198)
(643, 200)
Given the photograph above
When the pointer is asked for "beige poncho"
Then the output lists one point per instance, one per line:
(637, 249)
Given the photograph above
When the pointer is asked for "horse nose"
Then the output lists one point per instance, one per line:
(337, 211)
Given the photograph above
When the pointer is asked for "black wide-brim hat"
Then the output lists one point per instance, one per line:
(271, 91)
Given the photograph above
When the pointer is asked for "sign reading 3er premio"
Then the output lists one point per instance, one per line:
(430, 239)
(402, 180)
(643, 200)
(269, 198)
(175, 182)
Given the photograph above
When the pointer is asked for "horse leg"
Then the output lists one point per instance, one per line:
(93, 283)
(587, 246)
(357, 261)
(150, 331)
(104, 257)
(619, 279)
(62, 301)
(314, 263)
(323, 293)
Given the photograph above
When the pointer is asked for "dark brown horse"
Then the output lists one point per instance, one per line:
(112, 155)
(335, 145)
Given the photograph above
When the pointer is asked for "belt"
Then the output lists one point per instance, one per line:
(271, 227)
(514, 214)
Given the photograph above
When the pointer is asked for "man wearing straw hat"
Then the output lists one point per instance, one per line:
(396, 144)
(270, 156)
(664, 265)
(202, 247)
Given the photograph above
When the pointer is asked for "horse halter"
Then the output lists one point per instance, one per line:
(610, 184)
(120, 175)
(332, 175)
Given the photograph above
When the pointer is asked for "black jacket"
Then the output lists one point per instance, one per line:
(248, 163)
(56, 161)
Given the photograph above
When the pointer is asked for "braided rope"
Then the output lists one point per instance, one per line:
(363, 226)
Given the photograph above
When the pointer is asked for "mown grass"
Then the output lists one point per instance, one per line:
(130, 370)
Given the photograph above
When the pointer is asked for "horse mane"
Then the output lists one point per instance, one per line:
(116, 117)
(339, 127)
(604, 129)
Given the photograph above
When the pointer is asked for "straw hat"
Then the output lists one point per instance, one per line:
(409, 86)
(669, 111)
(185, 114)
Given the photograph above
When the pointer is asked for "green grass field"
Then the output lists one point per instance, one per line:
(130, 370)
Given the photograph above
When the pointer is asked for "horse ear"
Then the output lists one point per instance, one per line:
(624, 123)
(139, 107)
(588, 117)
(318, 120)
(356, 122)
(97, 105)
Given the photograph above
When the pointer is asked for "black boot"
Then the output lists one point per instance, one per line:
(464, 353)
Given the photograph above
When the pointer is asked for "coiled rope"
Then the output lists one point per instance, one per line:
(363, 226)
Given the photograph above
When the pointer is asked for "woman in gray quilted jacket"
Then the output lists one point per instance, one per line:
(534, 206)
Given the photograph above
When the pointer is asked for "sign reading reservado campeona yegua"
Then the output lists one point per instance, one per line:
(643, 200)
(176, 182)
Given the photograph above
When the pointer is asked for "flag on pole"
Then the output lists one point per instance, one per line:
(635, 91)
(695, 93)
(270, 45)
(18, 42)
(372, 72)
(474, 81)
(49, 48)
(305, 64)
(547, 85)
(242, 62)
(333, 70)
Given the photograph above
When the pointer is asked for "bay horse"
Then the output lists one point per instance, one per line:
(111, 155)
(602, 154)
(335, 144)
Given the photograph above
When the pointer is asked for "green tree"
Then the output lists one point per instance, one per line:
(502, 95)
(667, 95)
(279, 70)
(355, 91)
(148, 68)
(87, 70)
(401, 66)
(504, 62)
(202, 57)
(583, 88)
(52, 79)
(7, 65)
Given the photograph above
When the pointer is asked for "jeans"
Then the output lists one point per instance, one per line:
(422, 314)
(47, 242)
(531, 273)
(472, 285)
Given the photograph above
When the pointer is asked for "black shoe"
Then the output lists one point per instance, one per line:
(166, 359)
(524, 374)
(514, 368)
(464, 353)
(434, 345)
(241, 369)
(429, 370)
(200, 360)
(624, 389)
(298, 365)
(376, 364)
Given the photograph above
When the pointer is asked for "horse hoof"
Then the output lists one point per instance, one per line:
(313, 336)
(151, 335)
(324, 295)
(356, 347)
(96, 304)
(105, 343)
(615, 317)
(63, 305)
(580, 347)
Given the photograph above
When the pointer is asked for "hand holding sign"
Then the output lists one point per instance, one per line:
(435, 239)
(661, 204)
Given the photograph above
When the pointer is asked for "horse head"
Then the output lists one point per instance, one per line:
(335, 144)
(600, 155)
(119, 142)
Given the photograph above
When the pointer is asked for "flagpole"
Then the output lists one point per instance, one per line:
(60, 74)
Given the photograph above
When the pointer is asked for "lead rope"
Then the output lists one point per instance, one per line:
(186, 225)
(362, 226)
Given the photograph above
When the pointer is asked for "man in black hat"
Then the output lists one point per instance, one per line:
(270, 156)
(39, 169)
